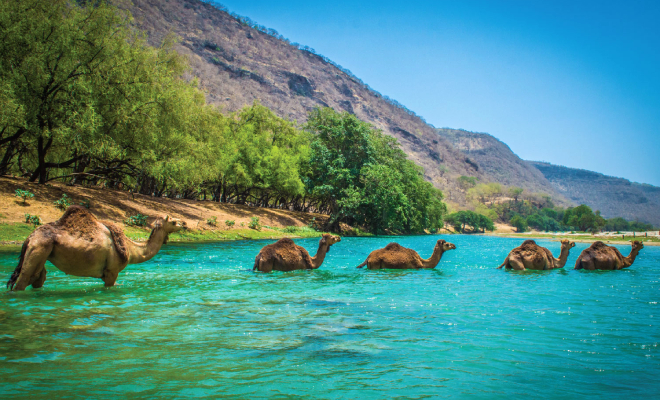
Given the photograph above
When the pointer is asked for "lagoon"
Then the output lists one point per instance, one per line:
(197, 322)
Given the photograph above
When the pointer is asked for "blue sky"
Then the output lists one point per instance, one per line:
(574, 83)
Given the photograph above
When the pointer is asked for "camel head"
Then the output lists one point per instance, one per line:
(637, 245)
(567, 244)
(444, 245)
(169, 225)
(328, 240)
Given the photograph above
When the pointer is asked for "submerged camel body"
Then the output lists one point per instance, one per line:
(601, 256)
(532, 256)
(284, 255)
(81, 245)
(395, 256)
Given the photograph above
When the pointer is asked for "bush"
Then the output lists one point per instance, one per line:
(290, 229)
(519, 223)
(86, 203)
(230, 222)
(136, 220)
(24, 194)
(254, 223)
(213, 221)
(63, 203)
(32, 219)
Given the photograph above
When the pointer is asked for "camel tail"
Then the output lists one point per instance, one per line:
(503, 264)
(363, 264)
(14, 276)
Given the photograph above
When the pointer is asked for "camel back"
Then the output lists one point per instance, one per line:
(286, 250)
(77, 221)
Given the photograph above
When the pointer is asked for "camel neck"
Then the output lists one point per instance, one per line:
(563, 257)
(631, 257)
(435, 258)
(141, 252)
(317, 260)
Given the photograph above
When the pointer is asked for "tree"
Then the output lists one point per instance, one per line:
(519, 223)
(462, 219)
(583, 218)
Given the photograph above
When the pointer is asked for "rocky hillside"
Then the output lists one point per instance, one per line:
(238, 64)
(499, 163)
(614, 197)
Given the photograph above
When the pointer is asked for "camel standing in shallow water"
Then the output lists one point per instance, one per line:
(601, 256)
(81, 245)
(395, 256)
(284, 255)
(532, 256)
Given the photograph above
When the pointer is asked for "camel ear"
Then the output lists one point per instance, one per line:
(167, 218)
(442, 242)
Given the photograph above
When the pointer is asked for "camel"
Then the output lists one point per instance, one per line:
(395, 256)
(532, 256)
(284, 255)
(81, 245)
(601, 256)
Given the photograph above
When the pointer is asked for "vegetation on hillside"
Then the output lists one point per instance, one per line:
(88, 101)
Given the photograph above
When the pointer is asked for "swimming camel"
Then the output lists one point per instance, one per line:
(81, 245)
(284, 255)
(395, 256)
(530, 255)
(601, 256)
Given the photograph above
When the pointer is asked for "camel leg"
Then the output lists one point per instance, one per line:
(265, 266)
(35, 259)
(38, 280)
(109, 277)
(516, 264)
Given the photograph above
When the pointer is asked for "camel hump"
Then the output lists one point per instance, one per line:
(394, 247)
(119, 239)
(77, 221)
(598, 245)
(528, 242)
(284, 242)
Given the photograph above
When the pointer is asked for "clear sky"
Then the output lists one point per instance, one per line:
(574, 83)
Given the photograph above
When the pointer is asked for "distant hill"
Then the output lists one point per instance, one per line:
(499, 163)
(614, 197)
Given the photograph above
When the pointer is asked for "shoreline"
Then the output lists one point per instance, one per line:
(578, 238)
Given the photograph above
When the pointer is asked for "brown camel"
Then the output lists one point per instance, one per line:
(284, 255)
(81, 245)
(395, 256)
(601, 256)
(532, 256)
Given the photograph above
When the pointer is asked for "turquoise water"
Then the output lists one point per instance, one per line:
(197, 322)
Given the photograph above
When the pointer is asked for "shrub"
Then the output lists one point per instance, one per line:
(291, 229)
(254, 223)
(136, 220)
(32, 219)
(213, 221)
(24, 194)
(86, 203)
(63, 203)
(230, 222)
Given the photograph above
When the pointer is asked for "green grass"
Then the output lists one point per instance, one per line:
(193, 235)
(15, 232)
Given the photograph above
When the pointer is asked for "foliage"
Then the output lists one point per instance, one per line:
(467, 182)
(230, 222)
(24, 194)
(86, 203)
(34, 220)
(136, 220)
(462, 219)
(361, 177)
(583, 219)
(213, 221)
(63, 203)
(254, 223)
(519, 223)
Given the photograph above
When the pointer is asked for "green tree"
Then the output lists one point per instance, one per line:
(519, 223)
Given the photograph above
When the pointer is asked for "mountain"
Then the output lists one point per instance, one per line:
(614, 197)
(238, 62)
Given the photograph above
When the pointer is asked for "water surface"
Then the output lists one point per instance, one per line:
(197, 322)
